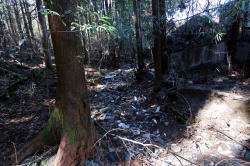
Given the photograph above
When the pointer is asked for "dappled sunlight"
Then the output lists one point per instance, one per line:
(218, 132)
(18, 120)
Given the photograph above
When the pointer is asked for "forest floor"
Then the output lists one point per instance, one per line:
(205, 121)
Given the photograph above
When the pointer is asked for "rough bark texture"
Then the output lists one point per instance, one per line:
(72, 99)
(157, 44)
(44, 35)
(139, 47)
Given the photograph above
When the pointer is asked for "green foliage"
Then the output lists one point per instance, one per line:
(100, 23)
(232, 10)
(45, 11)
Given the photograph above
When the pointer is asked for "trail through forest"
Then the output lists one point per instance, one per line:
(196, 124)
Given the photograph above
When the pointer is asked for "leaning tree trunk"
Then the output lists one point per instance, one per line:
(44, 35)
(139, 47)
(70, 121)
(157, 45)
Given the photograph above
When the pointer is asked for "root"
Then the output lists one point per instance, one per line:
(30, 148)
(48, 137)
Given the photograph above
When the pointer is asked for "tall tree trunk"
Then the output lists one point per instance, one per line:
(44, 35)
(17, 15)
(72, 99)
(140, 59)
(26, 26)
(70, 121)
(29, 18)
(12, 26)
(157, 44)
(163, 26)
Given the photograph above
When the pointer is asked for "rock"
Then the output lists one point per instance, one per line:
(155, 122)
(146, 136)
(126, 156)
(166, 124)
(137, 132)
(157, 132)
(111, 157)
(123, 125)
(104, 109)
(175, 148)
(110, 118)
(108, 77)
(158, 109)
(90, 163)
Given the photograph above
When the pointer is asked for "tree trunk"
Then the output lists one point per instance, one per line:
(44, 35)
(163, 26)
(26, 27)
(12, 26)
(70, 120)
(157, 45)
(28, 15)
(140, 59)
(18, 20)
(72, 99)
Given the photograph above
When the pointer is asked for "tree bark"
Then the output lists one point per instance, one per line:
(29, 18)
(17, 15)
(140, 59)
(72, 99)
(157, 45)
(26, 26)
(70, 121)
(44, 35)
(163, 26)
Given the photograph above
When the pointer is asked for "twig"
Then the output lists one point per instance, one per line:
(15, 152)
(152, 145)
(230, 137)
(190, 109)
(219, 162)
(178, 160)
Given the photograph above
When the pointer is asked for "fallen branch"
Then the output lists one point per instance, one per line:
(152, 145)
(189, 107)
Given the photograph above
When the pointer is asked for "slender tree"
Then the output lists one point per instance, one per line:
(45, 34)
(17, 17)
(163, 26)
(157, 47)
(25, 22)
(28, 14)
(140, 59)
